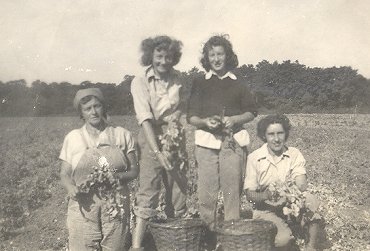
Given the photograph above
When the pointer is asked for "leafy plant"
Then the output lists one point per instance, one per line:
(104, 183)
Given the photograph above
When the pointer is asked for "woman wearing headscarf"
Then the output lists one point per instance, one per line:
(98, 160)
(157, 95)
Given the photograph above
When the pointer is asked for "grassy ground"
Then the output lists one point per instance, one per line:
(33, 207)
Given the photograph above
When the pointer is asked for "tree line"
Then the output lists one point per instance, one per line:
(288, 87)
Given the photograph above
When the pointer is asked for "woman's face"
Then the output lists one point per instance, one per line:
(217, 59)
(92, 112)
(276, 138)
(162, 61)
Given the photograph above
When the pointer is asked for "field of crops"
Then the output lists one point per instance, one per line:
(33, 206)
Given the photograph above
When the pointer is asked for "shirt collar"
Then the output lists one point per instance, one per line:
(103, 138)
(265, 154)
(151, 74)
(228, 74)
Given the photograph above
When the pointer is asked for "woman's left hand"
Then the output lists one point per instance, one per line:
(163, 158)
(228, 122)
(276, 205)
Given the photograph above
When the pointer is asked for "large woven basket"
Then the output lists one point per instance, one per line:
(246, 235)
(179, 235)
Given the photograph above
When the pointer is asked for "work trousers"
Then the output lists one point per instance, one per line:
(219, 170)
(92, 229)
(151, 176)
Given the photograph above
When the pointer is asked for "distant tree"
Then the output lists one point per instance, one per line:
(286, 87)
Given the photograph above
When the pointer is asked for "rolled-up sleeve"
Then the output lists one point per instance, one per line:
(65, 153)
(250, 181)
(130, 142)
(141, 96)
(298, 165)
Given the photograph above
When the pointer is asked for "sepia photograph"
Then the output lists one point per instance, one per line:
(161, 125)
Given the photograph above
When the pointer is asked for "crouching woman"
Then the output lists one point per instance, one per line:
(272, 169)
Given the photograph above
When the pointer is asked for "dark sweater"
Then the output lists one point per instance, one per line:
(210, 97)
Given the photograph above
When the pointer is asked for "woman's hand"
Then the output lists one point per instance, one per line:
(67, 182)
(72, 191)
(163, 158)
(213, 123)
(229, 122)
(280, 202)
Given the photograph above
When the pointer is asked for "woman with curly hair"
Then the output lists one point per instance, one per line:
(157, 94)
(275, 162)
(220, 104)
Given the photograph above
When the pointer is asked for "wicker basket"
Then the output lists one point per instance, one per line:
(179, 235)
(246, 235)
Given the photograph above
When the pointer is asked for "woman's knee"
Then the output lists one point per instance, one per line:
(283, 238)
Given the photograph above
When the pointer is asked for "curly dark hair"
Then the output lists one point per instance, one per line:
(219, 40)
(273, 119)
(159, 43)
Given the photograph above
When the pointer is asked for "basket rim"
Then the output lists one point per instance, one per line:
(196, 223)
(220, 230)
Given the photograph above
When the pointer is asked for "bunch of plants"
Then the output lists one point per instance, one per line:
(225, 134)
(295, 208)
(104, 183)
(173, 144)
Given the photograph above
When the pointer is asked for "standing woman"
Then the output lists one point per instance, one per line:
(219, 105)
(157, 96)
(95, 222)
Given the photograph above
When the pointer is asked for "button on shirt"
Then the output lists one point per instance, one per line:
(155, 98)
(262, 170)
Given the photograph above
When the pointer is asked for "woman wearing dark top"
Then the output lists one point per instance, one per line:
(220, 103)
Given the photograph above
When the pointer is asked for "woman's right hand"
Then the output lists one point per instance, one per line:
(213, 123)
(164, 160)
(73, 192)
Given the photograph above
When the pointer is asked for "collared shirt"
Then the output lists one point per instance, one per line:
(155, 98)
(78, 141)
(213, 94)
(228, 74)
(262, 170)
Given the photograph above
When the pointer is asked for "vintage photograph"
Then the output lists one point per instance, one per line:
(161, 125)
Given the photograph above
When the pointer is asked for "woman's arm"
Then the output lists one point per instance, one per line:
(66, 180)
(301, 182)
(257, 197)
(151, 139)
(133, 170)
(265, 196)
(238, 119)
(209, 122)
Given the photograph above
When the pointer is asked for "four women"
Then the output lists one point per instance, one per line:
(220, 104)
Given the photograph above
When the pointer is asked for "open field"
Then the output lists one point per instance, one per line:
(33, 207)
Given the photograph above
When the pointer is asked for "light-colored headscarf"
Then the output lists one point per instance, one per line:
(96, 92)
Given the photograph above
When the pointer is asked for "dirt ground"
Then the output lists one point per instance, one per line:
(338, 169)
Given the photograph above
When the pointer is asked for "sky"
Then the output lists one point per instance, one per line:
(99, 40)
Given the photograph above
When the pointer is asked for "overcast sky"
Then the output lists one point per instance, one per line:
(98, 40)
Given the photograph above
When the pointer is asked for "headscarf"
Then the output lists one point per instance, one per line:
(96, 92)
